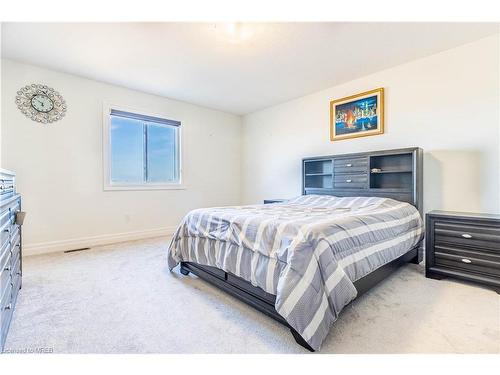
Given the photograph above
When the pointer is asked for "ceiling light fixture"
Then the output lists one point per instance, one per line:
(235, 32)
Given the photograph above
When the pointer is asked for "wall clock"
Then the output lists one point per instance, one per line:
(41, 103)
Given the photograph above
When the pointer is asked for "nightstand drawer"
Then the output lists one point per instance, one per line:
(468, 252)
(470, 235)
(469, 264)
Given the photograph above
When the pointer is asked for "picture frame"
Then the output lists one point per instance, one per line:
(357, 115)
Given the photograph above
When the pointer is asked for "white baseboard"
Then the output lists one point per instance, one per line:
(106, 239)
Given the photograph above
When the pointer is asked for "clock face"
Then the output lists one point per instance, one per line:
(42, 103)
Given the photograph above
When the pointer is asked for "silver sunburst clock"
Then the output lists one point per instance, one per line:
(41, 103)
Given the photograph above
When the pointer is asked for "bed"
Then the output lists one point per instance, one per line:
(302, 261)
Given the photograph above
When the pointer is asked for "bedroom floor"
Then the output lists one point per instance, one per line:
(122, 299)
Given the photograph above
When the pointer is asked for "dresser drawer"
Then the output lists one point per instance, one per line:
(15, 246)
(6, 189)
(5, 218)
(14, 229)
(5, 270)
(16, 285)
(4, 250)
(6, 296)
(15, 267)
(15, 207)
(351, 181)
(350, 165)
(7, 225)
(6, 183)
(6, 282)
(6, 307)
(467, 234)
(6, 293)
(10, 205)
(6, 232)
(469, 264)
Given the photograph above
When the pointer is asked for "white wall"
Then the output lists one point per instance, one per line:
(498, 106)
(59, 166)
(446, 103)
(1, 27)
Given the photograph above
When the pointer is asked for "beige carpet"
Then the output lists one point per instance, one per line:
(122, 299)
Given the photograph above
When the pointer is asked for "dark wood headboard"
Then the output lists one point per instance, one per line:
(396, 174)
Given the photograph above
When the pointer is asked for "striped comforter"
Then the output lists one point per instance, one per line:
(307, 251)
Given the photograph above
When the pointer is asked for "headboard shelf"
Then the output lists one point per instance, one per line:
(392, 171)
(393, 174)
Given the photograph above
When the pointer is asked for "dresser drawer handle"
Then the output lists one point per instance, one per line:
(8, 307)
(348, 165)
(348, 181)
(465, 235)
(8, 268)
(466, 261)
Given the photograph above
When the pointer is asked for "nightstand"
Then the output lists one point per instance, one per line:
(269, 201)
(465, 246)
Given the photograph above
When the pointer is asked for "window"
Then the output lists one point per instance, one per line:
(142, 151)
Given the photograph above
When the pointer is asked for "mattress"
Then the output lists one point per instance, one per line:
(307, 251)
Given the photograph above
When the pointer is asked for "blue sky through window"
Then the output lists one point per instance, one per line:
(161, 159)
(143, 152)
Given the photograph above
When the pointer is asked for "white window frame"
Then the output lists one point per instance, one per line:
(106, 151)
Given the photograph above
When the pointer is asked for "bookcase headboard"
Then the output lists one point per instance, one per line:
(396, 174)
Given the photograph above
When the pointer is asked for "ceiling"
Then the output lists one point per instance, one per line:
(236, 68)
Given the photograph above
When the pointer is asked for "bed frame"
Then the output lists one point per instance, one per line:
(393, 174)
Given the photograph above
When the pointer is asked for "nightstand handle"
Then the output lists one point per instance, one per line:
(348, 165)
(465, 235)
(466, 260)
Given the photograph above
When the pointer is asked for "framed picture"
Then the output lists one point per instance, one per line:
(357, 115)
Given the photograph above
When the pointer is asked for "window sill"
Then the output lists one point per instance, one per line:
(144, 187)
